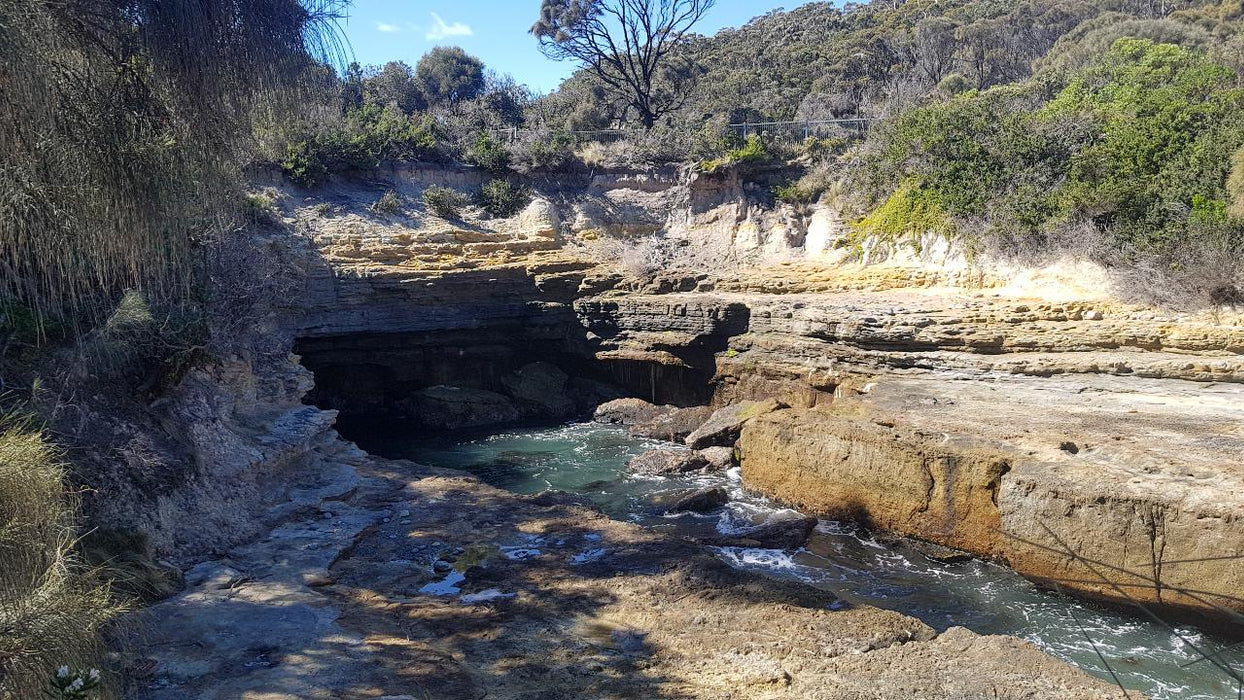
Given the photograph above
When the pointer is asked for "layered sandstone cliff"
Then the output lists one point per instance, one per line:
(1023, 416)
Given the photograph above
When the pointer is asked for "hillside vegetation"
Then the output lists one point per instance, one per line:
(1103, 128)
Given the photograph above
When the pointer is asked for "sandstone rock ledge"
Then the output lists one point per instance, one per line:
(1135, 477)
(409, 582)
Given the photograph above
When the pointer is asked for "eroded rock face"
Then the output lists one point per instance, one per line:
(644, 419)
(719, 458)
(542, 385)
(856, 470)
(673, 425)
(455, 407)
(628, 411)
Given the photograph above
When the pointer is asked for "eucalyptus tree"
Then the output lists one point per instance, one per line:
(450, 75)
(629, 45)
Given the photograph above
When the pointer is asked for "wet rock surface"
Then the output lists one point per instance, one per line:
(780, 533)
(702, 501)
(674, 425)
(719, 458)
(667, 462)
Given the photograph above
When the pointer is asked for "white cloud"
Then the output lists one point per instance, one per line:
(384, 27)
(440, 30)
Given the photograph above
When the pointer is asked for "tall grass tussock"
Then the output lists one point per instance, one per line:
(52, 608)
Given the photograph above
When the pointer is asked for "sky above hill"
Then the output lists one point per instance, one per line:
(494, 30)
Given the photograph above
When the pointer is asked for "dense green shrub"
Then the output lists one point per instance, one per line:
(445, 202)
(489, 153)
(908, 214)
(366, 137)
(1139, 144)
(1169, 121)
(543, 149)
(501, 198)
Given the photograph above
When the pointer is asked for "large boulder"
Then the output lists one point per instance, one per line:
(667, 463)
(702, 501)
(541, 386)
(674, 425)
(627, 412)
(723, 427)
(719, 458)
(453, 407)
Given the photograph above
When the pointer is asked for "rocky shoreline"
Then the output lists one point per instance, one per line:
(400, 581)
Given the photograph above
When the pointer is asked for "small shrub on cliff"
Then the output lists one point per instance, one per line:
(543, 149)
(501, 198)
(751, 152)
(389, 203)
(445, 202)
(795, 193)
(367, 137)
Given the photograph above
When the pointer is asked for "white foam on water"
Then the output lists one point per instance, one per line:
(744, 557)
(446, 586)
(835, 527)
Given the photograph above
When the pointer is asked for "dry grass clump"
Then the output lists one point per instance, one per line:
(637, 257)
(52, 611)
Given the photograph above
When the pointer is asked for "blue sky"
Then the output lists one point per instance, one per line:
(494, 30)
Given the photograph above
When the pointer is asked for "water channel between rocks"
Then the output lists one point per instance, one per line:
(590, 459)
